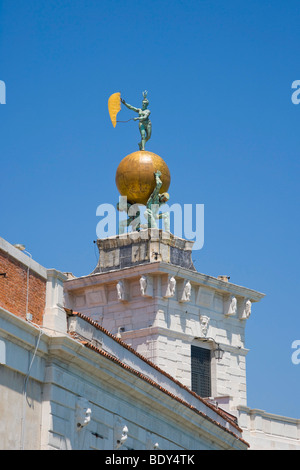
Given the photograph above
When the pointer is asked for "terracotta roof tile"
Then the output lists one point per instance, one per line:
(227, 416)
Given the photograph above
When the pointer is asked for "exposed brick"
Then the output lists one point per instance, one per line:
(13, 289)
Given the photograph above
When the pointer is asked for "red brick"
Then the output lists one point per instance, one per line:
(13, 289)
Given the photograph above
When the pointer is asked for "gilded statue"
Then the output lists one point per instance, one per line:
(141, 175)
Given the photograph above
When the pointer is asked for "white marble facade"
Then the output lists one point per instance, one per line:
(161, 310)
(78, 399)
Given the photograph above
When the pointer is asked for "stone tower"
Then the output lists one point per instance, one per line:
(146, 290)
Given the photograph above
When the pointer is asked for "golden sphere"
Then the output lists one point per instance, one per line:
(135, 176)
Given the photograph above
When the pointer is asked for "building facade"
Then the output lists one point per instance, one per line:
(128, 357)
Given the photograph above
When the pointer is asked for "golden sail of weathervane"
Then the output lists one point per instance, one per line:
(114, 106)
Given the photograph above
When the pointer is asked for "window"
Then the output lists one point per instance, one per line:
(201, 375)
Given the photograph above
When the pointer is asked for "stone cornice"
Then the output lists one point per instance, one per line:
(160, 268)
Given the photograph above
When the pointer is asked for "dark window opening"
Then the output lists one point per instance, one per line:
(201, 371)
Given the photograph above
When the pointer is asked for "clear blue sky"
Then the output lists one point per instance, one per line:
(219, 76)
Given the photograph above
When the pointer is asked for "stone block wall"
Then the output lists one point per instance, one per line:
(267, 431)
(76, 398)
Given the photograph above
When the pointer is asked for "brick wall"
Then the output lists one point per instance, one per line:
(13, 289)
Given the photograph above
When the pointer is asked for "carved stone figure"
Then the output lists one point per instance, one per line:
(120, 433)
(146, 286)
(204, 321)
(247, 308)
(151, 443)
(230, 306)
(143, 285)
(186, 294)
(120, 290)
(83, 412)
(171, 287)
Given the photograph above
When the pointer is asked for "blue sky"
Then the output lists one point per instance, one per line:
(219, 76)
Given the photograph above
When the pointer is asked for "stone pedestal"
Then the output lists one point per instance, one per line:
(147, 246)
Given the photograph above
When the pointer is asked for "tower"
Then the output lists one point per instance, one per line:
(146, 290)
